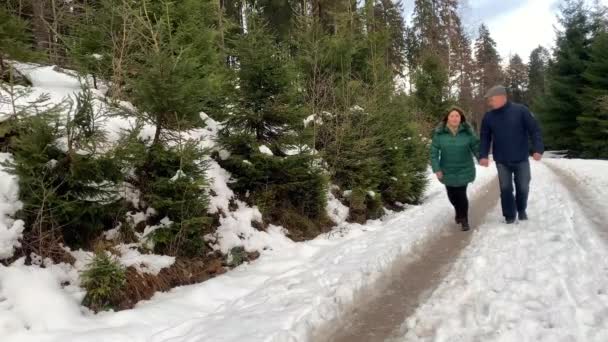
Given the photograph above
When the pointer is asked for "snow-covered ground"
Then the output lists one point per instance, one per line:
(280, 297)
(541, 280)
(589, 180)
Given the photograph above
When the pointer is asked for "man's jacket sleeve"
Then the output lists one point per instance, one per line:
(534, 131)
(485, 138)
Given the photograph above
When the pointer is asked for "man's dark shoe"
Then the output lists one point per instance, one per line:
(523, 216)
(465, 225)
(510, 220)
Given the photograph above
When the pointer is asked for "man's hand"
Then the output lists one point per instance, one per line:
(537, 156)
(485, 162)
(439, 175)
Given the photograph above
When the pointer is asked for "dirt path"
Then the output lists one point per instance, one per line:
(380, 310)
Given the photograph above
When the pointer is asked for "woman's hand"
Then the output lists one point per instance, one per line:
(439, 175)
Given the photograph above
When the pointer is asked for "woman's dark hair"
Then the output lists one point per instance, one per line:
(463, 118)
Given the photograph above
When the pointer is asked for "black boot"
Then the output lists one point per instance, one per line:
(457, 219)
(523, 216)
(465, 224)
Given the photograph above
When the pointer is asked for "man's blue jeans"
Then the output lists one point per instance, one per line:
(520, 174)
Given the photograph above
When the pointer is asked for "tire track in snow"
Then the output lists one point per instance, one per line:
(381, 309)
(584, 199)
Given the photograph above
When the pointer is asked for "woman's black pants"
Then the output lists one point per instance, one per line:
(458, 198)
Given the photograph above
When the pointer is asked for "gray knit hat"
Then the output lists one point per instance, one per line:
(496, 91)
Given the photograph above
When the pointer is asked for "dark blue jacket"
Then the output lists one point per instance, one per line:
(508, 129)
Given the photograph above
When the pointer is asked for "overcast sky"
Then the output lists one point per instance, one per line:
(517, 26)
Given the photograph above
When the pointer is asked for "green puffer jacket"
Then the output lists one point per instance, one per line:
(453, 154)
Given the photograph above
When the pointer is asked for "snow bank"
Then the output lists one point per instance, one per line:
(289, 290)
(32, 298)
(337, 211)
(236, 230)
(219, 178)
(10, 230)
(143, 263)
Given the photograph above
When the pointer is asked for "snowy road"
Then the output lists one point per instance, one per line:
(410, 280)
(541, 280)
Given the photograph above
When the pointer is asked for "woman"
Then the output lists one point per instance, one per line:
(454, 145)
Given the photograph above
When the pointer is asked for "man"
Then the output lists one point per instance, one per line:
(507, 127)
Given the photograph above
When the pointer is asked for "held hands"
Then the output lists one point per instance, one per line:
(439, 175)
(537, 156)
(485, 162)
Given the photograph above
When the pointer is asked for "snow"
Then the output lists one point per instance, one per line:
(136, 217)
(236, 230)
(545, 279)
(290, 289)
(265, 150)
(357, 108)
(143, 263)
(58, 86)
(292, 150)
(33, 298)
(312, 118)
(48, 77)
(337, 211)
(113, 233)
(591, 177)
(224, 154)
(10, 230)
(219, 179)
(144, 237)
(179, 174)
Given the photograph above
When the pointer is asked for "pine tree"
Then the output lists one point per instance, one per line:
(456, 38)
(68, 192)
(14, 41)
(437, 30)
(561, 105)
(537, 73)
(488, 72)
(178, 71)
(593, 121)
(360, 126)
(279, 15)
(271, 166)
(461, 72)
(427, 28)
(431, 81)
(516, 79)
(388, 14)
(49, 21)
(329, 12)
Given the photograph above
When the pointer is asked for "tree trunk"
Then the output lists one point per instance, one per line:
(156, 140)
(1, 67)
(42, 33)
(221, 25)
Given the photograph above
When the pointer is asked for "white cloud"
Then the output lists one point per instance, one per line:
(525, 27)
(517, 26)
